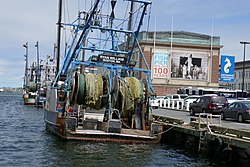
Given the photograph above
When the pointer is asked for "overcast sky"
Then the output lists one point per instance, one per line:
(35, 20)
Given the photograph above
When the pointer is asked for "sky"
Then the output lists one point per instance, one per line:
(35, 20)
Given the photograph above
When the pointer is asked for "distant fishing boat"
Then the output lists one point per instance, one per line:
(47, 74)
(29, 87)
(106, 97)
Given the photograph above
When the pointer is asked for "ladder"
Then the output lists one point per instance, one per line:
(202, 142)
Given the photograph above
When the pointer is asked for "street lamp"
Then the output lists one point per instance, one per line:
(243, 69)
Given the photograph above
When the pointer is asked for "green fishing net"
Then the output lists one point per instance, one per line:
(131, 90)
(94, 90)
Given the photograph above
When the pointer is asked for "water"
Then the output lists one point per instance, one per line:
(25, 142)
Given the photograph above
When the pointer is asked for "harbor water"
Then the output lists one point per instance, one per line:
(25, 142)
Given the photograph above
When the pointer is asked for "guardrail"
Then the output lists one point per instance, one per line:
(205, 120)
(173, 104)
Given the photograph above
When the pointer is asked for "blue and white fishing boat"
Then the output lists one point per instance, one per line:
(100, 93)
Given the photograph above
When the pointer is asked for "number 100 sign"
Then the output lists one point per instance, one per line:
(160, 72)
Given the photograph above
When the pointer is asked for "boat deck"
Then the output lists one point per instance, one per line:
(124, 132)
(126, 136)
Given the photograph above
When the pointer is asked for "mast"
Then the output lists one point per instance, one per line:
(112, 17)
(38, 64)
(130, 23)
(84, 42)
(38, 75)
(26, 82)
(59, 24)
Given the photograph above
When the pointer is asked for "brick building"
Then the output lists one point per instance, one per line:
(190, 63)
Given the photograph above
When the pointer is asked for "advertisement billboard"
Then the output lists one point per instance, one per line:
(227, 68)
(160, 64)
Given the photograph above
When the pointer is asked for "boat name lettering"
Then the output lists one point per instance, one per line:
(112, 59)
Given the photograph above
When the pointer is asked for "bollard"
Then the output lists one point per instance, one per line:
(172, 104)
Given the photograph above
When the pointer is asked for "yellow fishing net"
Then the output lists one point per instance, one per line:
(94, 90)
(131, 90)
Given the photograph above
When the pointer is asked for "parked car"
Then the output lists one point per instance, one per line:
(189, 100)
(208, 104)
(241, 98)
(231, 100)
(155, 102)
(239, 110)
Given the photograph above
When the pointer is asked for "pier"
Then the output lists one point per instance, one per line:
(206, 134)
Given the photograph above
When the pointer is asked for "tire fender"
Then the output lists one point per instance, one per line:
(247, 152)
(218, 143)
(227, 154)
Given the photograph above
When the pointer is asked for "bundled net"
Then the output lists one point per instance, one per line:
(94, 90)
(131, 90)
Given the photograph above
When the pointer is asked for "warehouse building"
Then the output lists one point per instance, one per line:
(180, 59)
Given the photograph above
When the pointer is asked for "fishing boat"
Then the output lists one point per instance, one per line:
(34, 88)
(99, 92)
(29, 87)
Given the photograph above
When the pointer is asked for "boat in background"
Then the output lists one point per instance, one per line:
(103, 98)
(37, 76)
(29, 87)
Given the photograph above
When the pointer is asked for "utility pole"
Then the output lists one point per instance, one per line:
(243, 67)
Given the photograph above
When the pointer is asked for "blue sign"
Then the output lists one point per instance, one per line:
(227, 68)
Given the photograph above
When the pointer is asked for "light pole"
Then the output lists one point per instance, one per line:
(243, 66)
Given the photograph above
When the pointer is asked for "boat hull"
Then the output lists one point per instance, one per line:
(29, 101)
(67, 129)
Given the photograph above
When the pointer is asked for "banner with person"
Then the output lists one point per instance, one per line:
(189, 65)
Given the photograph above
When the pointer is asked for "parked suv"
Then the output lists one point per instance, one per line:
(208, 104)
